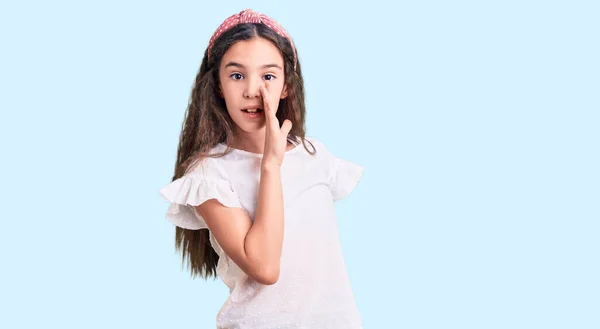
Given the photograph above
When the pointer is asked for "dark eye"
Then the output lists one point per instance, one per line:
(271, 77)
(236, 76)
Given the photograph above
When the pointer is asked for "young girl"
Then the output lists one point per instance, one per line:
(252, 197)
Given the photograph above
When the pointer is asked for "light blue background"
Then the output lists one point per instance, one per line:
(477, 124)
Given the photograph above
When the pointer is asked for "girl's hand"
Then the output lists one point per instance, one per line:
(275, 137)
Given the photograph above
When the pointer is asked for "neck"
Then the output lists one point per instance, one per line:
(250, 142)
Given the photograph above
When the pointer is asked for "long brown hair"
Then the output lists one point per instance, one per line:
(207, 123)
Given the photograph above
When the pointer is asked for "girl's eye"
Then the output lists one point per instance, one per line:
(238, 76)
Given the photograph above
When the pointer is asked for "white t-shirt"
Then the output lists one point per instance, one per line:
(313, 290)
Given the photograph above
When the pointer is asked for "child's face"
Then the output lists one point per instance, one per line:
(244, 68)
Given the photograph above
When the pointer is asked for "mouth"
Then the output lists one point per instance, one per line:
(253, 114)
(256, 110)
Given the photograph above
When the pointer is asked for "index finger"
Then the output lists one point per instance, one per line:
(265, 96)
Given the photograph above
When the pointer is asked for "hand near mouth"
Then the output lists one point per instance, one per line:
(275, 137)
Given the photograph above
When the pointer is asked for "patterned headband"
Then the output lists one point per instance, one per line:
(250, 16)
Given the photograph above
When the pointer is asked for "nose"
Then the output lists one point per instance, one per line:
(252, 88)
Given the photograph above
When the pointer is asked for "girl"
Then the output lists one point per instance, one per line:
(250, 204)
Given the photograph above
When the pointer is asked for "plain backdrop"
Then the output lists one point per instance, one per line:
(477, 123)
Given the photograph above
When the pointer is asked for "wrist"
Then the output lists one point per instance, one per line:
(270, 167)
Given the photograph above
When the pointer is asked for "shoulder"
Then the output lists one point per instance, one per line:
(342, 175)
(317, 143)
(319, 146)
(211, 165)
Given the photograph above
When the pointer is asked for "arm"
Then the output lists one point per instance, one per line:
(265, 239)
(254, 247)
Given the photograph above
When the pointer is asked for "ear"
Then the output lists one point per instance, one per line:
(284, 92)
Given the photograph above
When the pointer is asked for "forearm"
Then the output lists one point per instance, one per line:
(264, 240)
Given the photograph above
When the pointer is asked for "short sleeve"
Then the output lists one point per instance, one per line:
(206, 182)
(343, 175)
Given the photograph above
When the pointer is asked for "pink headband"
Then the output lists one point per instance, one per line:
(250, 16)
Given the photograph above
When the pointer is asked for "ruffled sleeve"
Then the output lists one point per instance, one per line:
(193, 189)
(343, 175)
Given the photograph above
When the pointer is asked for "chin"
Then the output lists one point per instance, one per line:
(249, 127)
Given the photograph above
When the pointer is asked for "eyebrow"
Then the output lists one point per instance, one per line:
(266, 66)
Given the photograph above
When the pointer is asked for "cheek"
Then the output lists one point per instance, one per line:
(275, 89)
(228, 91)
